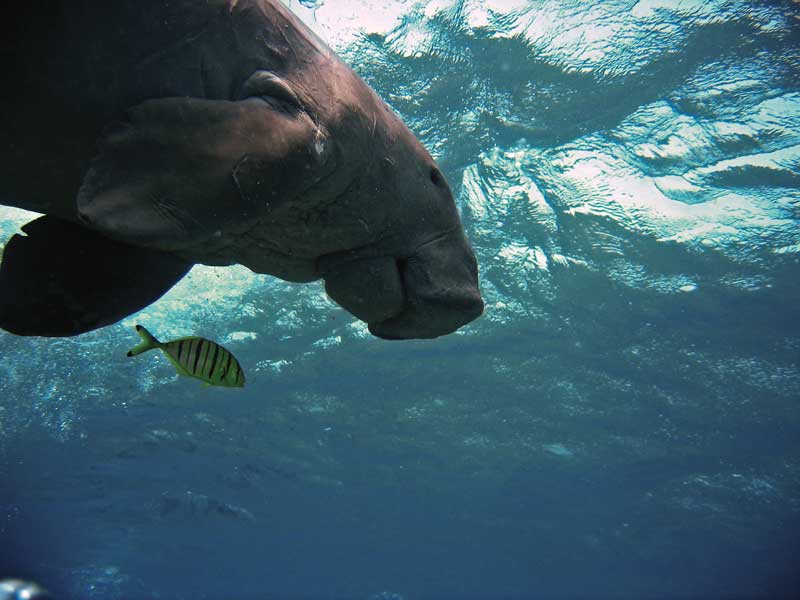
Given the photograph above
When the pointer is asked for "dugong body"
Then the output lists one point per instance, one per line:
(156, 134)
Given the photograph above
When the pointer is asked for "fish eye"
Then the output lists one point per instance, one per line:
(436, 176)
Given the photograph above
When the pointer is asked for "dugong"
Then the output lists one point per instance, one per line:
(157, 134)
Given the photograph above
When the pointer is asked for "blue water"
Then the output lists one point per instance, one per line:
(623, 422)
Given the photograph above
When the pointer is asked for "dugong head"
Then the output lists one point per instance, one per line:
(376, 217)
(349, 195)
(305, 174)
(417, 276)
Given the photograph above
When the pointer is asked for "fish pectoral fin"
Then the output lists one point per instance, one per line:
(61, 279)
(178, 366)
(181, 172)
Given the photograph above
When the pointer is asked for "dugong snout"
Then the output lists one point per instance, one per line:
(431, 293)
(440, 282)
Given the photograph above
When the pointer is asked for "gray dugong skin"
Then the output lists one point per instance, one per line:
(225, 132)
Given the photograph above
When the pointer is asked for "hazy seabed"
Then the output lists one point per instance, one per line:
(622, 422)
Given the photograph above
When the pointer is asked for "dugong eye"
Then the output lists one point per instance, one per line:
(436, 176)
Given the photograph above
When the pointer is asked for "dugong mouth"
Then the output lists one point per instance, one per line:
(431, 293)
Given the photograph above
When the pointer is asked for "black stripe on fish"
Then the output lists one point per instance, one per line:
(185, 355)
(227, 366)
(223, 354)
(204, 358)
(213, 361)
(197, 356)
(189, 358)
(180, 349)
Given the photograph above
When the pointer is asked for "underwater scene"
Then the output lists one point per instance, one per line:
(621, 421)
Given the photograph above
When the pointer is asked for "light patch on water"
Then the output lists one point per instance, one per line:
(276, 366)
(761, 487)
(747, 284)
(783, 160)
(358, 330)
(414, 413)
(198, 300)
(423, 410)
(328, 342)
(637, 276)
(386, 596)
(101, 582)
(520, 257)
(12, 218)
(342, 22)
(678, 188)
(315, 404)
(567, 261)
(624, 195)
(8, 373)
(478, 440)
(435, 7)
(709, 234)
(558, 450)
(648, 8)
(791, 249)
(726, 219)
(479, 18)
(239, 336)
(290, 320)
(751, 486)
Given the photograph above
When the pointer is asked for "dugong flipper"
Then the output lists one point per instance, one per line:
(181, 171)
(175, 132)
(89, 282)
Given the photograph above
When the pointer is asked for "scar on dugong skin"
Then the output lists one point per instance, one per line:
(155, 135)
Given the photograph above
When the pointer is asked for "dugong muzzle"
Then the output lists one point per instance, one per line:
(431, 293)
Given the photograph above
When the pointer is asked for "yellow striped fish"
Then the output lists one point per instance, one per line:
(195, 357)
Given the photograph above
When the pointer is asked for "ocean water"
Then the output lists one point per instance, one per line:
(623, 421)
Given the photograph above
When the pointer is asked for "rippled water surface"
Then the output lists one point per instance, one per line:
(622, 422)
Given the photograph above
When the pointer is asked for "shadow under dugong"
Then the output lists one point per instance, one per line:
(157, 134)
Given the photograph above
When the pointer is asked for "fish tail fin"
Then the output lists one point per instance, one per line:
(148, 342)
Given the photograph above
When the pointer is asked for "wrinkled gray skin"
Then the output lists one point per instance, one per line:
(229, 133)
